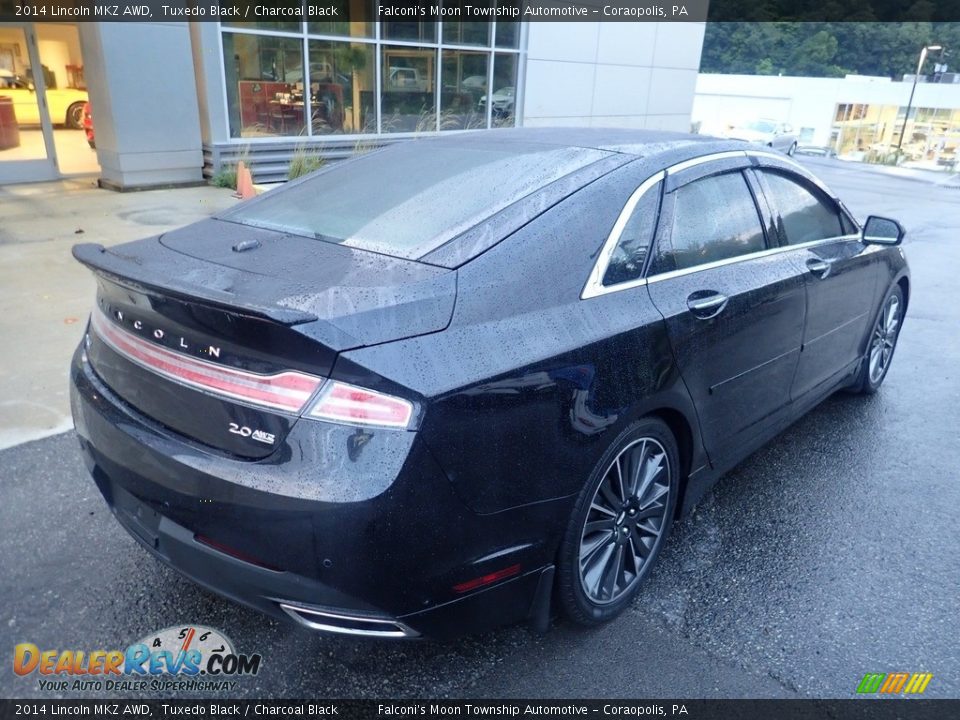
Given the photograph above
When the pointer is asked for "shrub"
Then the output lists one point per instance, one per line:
(304, 162)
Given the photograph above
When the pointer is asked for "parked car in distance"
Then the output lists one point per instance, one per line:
(777, 135)
(476, 83)
(461, 381)
(65, 104)
(407, 79)
(88, 126)
(503, 102)
(816, 150)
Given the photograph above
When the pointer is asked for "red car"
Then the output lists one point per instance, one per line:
(88, 124)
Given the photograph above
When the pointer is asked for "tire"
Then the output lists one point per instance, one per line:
(74, 118)
(881, 344)
(600, 569)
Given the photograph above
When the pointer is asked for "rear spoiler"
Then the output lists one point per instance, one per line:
(175, 275)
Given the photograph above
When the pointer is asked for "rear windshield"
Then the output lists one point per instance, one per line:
(412, 197)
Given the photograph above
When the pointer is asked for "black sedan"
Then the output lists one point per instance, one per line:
(462, 381)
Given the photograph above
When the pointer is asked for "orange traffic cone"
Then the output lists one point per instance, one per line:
(244, 182)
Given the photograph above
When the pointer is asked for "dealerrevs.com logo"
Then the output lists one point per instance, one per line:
(178, 658)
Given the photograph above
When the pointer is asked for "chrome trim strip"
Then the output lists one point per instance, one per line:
(794, 165)
(693, 162)
(594, 286)
(326, 619)
(749, 256)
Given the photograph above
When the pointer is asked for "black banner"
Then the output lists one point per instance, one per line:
(334, 10)
(479, 10)
(865, 709)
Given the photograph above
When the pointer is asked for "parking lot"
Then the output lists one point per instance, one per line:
(828, 554)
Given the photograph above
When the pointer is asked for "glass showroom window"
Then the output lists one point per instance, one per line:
(407, 100)
(342, 87)
(465, 81)
(356, 19)
(504, 89)
(352, 76)
(264, 76)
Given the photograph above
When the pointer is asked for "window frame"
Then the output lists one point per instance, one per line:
(378, 40)
(594, 287)
(759, 174)
(659, 186)
(666, 235)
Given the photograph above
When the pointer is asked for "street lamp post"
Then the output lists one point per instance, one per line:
(923, 57)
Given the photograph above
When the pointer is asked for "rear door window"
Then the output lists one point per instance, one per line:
(714, 218)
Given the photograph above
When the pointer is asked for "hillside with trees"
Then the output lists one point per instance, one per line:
(827, 49)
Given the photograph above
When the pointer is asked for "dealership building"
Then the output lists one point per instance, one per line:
(173, 102)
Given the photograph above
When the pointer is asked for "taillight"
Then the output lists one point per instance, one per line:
(288, 391)
(343, 403)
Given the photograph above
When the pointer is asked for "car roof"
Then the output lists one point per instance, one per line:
(646, 144)
(646, 150)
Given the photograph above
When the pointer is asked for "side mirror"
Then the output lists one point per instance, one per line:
(882, 231)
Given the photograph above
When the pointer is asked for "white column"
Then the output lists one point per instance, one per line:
(143, 93)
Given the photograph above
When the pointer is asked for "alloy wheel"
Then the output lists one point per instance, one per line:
(626, 519)
(884, 338)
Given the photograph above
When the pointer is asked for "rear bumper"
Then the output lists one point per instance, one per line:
(306, 534)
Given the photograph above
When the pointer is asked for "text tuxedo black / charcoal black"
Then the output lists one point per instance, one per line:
(461, 381)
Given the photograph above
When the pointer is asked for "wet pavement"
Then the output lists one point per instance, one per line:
(829, 553)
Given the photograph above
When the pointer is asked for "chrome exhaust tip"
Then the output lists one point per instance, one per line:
(344, 624)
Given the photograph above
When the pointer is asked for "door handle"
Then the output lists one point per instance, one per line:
(707, 306)
(820, 268)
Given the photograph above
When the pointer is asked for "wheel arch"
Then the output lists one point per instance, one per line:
(683, 432)
(904, 282)
(69, 112)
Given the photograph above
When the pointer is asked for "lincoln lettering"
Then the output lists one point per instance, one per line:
(159, 334)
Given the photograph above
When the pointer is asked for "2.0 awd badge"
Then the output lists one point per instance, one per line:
(258, 435)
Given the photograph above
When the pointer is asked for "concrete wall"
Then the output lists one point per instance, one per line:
(143, 92)
(723, 100)
(605, 74)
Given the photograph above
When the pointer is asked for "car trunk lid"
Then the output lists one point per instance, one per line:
(224, 345)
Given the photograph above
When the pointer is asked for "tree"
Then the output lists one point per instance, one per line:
(822, 49)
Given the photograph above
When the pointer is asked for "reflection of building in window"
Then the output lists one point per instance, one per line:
(354, 76)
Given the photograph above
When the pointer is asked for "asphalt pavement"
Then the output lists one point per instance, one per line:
(830, 553)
